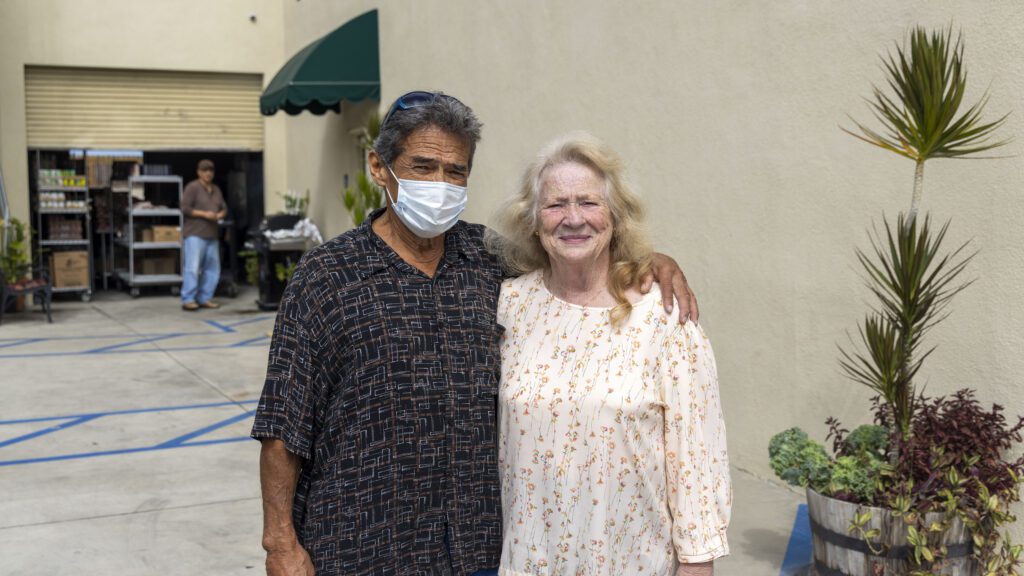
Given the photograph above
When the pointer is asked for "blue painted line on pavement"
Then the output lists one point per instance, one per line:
(251, 320)
(220, 326)
(250, 341)
(129, 411)
(113, 452)
(96, 337)
(136, 339)
(218, 441)
(243, 343)
(799, 552)
(63, 426)
(14, 343)
(183, 439)
(112, 347)
(132, 336)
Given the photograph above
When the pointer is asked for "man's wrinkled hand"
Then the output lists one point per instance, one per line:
(673, 285)
(289, 561)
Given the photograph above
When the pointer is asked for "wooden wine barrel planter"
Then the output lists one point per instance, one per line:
(839, 553)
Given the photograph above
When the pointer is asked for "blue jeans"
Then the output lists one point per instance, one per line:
(201, 269)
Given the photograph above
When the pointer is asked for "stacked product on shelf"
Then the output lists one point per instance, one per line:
(64, 226)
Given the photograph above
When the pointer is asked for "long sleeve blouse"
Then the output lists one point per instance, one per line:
(612, 449)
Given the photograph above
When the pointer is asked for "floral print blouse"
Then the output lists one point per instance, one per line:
(612, 450)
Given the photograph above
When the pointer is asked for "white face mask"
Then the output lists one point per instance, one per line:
(428, 209)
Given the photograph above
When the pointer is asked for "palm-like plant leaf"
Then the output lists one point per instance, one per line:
(921, 118)
(920, 114)
(913, 284)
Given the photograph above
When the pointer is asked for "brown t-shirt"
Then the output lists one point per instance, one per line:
(196, 197)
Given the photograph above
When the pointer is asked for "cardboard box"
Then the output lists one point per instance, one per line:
(166, 234)
(159, 265)
(69, 269)
(143, 234)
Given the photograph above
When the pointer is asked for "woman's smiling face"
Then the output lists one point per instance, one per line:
(575, 220)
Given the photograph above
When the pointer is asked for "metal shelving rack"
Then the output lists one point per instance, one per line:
(80, 193)
(154, 215)
(108, 235)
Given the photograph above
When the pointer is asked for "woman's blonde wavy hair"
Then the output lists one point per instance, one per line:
(518, 246)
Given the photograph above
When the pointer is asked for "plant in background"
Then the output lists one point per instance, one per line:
(923, 455)
(284, 272)
(295, 204)
(14, 258)
(366, 196)
(252, 266)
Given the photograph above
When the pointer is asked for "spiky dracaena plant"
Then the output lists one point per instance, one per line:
(908, 272)
(922, 119)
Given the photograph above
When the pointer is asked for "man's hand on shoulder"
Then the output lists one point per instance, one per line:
(288, 560)
(669, 276)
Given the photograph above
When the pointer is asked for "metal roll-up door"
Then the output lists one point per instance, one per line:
(142, 109)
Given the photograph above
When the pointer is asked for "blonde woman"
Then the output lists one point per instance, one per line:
(612, 452)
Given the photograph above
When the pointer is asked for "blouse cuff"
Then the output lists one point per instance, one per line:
(717, 546)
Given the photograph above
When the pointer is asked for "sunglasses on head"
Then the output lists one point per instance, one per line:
(414, 99)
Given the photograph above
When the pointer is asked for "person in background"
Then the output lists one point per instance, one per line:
(612, 452)
(378, 417)
(202, 204)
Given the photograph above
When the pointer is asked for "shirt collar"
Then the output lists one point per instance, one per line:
(457, 242)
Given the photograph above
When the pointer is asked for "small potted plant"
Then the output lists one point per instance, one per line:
(926, 489)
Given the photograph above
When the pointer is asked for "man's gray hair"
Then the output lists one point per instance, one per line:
(445, 112)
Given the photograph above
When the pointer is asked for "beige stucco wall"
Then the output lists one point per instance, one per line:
(189, 35)
(728, 115)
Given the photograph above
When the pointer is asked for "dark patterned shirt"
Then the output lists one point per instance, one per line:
(384, 380)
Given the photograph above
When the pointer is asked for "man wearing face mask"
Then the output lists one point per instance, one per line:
(378, 415)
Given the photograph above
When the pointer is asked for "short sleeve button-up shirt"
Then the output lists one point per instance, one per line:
(384, 381)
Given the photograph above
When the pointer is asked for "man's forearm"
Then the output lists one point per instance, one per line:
(702, 569)
(279, 473)
(204, 214)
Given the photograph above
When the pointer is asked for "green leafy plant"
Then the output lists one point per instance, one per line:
(923, 456)
(922, 119)
(851, 475)
(284, 272)
(799, 460)
(913, 283)
(14, 259)
(365, 196)
(252, 266)
(295, 204)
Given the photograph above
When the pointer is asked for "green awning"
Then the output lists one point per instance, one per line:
(343, 65)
